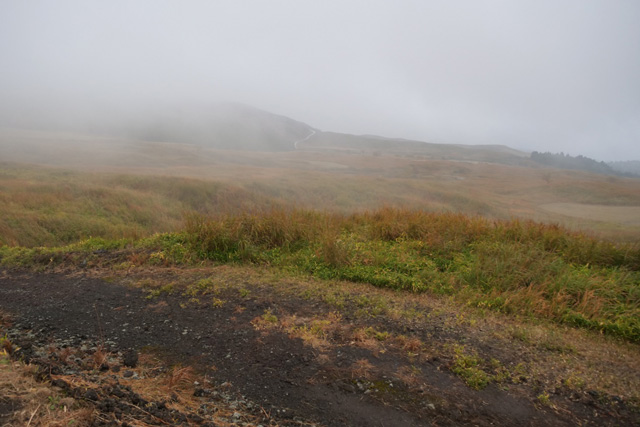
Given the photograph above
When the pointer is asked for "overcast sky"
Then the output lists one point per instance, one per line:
(536, 75)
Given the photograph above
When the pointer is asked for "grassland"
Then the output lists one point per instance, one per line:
(522, 268)
(549, 256)
(135, 188)
(45, 207)
(450, 228)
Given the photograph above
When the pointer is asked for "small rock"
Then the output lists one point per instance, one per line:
(137, 400)
(130, 358)
(127, 374)
(200, 392)
(60, 383)
(91, 395)
(117, 392)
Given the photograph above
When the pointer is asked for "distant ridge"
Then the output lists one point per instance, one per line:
(223, 126)
(379, 144)
(628, 167)
(234, 126)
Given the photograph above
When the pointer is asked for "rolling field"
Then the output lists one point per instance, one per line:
(623, 215)
(149, 186)
(411, 289)
(459, 218)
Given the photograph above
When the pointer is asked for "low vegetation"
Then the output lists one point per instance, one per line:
(50, 207)
(511, 266)
(516, 267)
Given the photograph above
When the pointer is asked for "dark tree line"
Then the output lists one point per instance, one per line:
(565, 161)
(628, 167)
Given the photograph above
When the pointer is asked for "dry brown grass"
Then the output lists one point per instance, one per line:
(112, 175)
(410, 375)
(36, 404)
(99, 357)
(318, 332)
(180, 377)
(412, 345)
(362, 368)
(360, 337)
(27, 402)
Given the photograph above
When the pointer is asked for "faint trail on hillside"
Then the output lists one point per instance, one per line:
(295, 144)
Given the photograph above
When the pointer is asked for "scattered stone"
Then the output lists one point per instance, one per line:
(137, 400)
(117, 392)
(91, 395)
(60, 383)
(201, 392)
(130, 358)
(195, 418)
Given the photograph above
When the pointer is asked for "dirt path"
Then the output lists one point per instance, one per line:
(235, 343)
(306, 138)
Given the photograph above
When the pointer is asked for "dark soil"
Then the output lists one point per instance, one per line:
(283, 377)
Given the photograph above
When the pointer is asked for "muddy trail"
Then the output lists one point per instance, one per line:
(278, 358)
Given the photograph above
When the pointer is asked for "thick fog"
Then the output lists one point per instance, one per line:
(534, 75)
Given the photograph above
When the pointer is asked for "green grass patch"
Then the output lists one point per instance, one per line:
(468, 367)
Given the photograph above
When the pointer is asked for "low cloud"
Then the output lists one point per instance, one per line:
(543, 75)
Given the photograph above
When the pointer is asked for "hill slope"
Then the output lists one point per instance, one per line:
(232, 126)
(222, 126)
(228, 126)
(372, 143)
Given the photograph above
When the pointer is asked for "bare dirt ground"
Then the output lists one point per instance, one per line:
(235, 349)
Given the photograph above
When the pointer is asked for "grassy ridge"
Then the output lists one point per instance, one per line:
(42, 206)
(49, 207)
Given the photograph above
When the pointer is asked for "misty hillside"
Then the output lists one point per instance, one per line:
(226, 126)
(629, 166)
(223, 126)
(479, 153)
(233, 126)
(565, 161)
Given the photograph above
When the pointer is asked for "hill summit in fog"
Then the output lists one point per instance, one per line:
(228, 126)
(235, 126)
